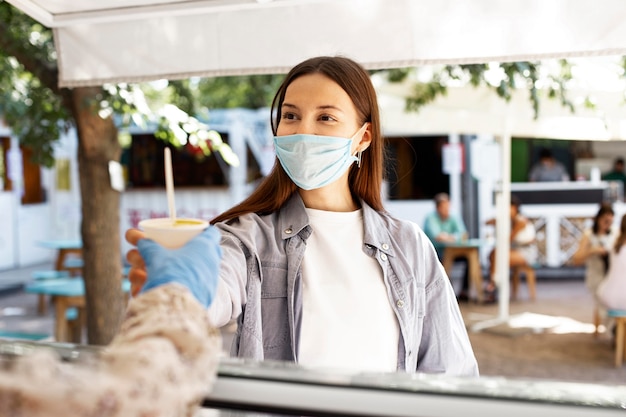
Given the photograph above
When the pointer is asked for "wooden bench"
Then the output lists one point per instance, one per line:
(68, 297)
(620, 335)
(46, 274)
(531, 280)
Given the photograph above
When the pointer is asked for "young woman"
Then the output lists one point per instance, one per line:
(612, 290)
(595, 245)
(314, 269)
(523, 249)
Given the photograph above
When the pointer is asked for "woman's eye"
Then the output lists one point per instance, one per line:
(289, 116)
(327, 118)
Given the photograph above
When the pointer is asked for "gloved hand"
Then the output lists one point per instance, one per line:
(195, 265)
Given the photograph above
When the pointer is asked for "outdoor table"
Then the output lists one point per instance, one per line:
(468, 249)
(64, 249)
(66, 293)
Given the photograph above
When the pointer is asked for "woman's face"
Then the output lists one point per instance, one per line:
(604, 222)
(314, 104)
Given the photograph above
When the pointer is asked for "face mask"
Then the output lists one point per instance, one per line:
(313, 161)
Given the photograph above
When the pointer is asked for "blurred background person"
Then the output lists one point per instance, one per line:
(617, 173)
(595, 245)
(547, 168)
(612, 290)
(593, 251)
(523, 248)
(442, 227)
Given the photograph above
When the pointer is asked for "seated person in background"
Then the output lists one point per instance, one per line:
(594, 248)
(548, 168)
(617, 173)
(612, 290)
(441, 226)
(523, 250)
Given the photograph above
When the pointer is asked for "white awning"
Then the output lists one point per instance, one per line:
(137, 40)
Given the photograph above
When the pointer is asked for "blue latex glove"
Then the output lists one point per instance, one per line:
(195, 265)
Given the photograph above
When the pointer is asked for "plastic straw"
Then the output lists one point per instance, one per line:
(169, 184)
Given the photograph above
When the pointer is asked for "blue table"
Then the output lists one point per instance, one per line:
(66, 293)
(64, 248)
(468, 249)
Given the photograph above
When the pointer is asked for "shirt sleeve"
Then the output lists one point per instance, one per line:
(231, 288)
(444, 346)
(162, 363)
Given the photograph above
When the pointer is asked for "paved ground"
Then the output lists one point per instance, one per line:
(550, 338)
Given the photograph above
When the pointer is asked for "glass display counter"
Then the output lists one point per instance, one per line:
(286, 389)
(249, 388)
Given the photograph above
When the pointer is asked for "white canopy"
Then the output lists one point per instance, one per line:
(136, 40)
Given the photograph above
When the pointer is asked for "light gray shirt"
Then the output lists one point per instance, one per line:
(261, 286)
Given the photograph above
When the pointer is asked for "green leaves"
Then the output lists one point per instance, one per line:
(502, 78)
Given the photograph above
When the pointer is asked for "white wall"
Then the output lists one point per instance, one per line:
(413, 210)
(33, 225)
(7, 231)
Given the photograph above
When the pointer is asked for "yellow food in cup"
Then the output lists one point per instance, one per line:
(186, 222)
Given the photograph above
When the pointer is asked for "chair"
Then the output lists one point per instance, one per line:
(596, 321)
(74, 266)
(529, 273)
(620, 335)
(47, 274)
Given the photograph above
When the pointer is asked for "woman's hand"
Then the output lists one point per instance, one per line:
(137, 274)
(599, 250)
(194, 265)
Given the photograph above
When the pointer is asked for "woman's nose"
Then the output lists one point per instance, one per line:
(304, 127)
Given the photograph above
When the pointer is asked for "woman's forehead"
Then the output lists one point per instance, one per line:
(317, 90)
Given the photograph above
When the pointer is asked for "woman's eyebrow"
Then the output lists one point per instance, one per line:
(322, 107)
(329, 107)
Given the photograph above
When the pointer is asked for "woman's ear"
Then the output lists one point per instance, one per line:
(366, 138)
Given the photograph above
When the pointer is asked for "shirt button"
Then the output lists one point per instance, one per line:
(288, 231)
(385, 246)
(383, 257)
(400, 303)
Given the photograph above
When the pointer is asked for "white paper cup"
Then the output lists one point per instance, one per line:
(172, 234)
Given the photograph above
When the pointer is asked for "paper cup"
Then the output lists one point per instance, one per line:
(172, 234)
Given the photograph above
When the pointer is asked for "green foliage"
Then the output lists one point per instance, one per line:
(249, 91)
(154, 110)
(34, 108)
(510, 76)
(34, 112)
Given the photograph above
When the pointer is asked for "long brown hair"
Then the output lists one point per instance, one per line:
(365, 182)
(621, 239)
(605, 208)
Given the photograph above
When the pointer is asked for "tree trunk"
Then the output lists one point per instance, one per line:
(97, 145)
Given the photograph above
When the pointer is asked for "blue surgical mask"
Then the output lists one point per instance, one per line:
(313, 161)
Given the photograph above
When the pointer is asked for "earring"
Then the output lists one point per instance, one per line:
(358, 159)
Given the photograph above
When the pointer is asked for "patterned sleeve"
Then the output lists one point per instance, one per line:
(162, 363)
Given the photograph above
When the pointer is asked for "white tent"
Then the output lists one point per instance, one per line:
(135, 40)
(138, 40)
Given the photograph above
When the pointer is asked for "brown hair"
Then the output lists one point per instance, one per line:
(605, 208)
(365, 182)
(621, 239)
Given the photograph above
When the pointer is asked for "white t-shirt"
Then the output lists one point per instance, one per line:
(347, 320)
